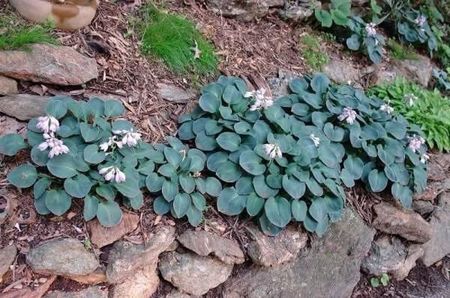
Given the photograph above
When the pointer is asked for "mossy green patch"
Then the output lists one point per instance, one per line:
(17, 34)
(399, 51)
(176, 41)
(310, 49)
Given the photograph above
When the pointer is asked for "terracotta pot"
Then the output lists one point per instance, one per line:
(71, 15)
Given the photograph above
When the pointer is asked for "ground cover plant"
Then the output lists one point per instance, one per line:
(311, 50)
(277, 160)
(428, 109)
(16, 34)
(400, 51)
(176, 41)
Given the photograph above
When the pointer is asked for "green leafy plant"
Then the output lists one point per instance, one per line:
(365, 38)
(338, 12)
(428, 109)
(383, 280)
(311, 50)
(442, 79)
(401, 52)
(176, 41)
(277, 160)
(15, 34)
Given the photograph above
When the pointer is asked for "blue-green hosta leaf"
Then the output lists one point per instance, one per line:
(396, 129)
(229, 172)
(106, 191)
(90, 207)
(334, 133)
(181, 204)
(403, 194)
(173, 157)
(320, 83)
(209, 103)
(185, 131)
(354, 165)
(130, 187)
(299, 210)
(347, 178)
(212, 127)
(113, 108)
(244, 185)
(89, 133)
(154, 182)
(109, 213)
(262, 189)
(251, 163)
(319, 209)
(215, 160)
(278, 211)
(39, 157)
(254, 204)
(161, 206)
(57, 201)
(353, 42)
(40, 187)
(78, 186)
(242, 128)
(92, 155)
(23, 176)
(198, 160)
(328, 156)
(169, 190)
(314, 187)
(231, 95)
(10, 144)
(229, 141)
(167, 170)
(310, 223)
(230, 202)
(385, 156)
(199, 201)
(56, 108)
(205, 143)
(300, 109)
(187, 182)
(195, 216)
(377, 180)
(293, 187)
(213, 186)
(420, 179)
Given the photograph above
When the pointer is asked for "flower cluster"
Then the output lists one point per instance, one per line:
(272, 150)
(129, 138)
(261, 100)
(316, 140)
(370, 29)
(348, 115)
(387, 108)
(56, 146)
(415, 142)
(49, 125)
(410, 99)
(113, 174)
(420, 20)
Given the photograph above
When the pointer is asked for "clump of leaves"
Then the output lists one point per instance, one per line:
(312, 51)
(338, 12)
(16, 34)
(401, 52)
(428, 109)
(382, 280)
(365, 38)
(176, 41)
(442, 79)
(277, 160)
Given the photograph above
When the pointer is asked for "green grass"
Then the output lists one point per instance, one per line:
(173, 39)
(17, 34)
(401, 52)
(311, 50)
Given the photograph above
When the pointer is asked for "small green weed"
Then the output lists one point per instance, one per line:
(176, 41)
(16, 34)
(428, 109)
(383, 280)
(311, 51)
(401, 52)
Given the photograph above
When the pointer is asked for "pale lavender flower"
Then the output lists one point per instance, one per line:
(370, 29)
(48, 124)
(420, 20)
(387, 108)
(272, 150)
(129, 138)
(415, 143)
(113, 174)
(56, 146)
(424, 158)
(348, 115)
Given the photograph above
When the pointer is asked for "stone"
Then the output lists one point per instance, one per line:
(418, 70)
(414, 253)
(66, 257)
(272, 251)
(91, 292)
(94, 278)
(246, 10)
(50, 64)
(279, 85)
(10, 125)
(300, 11)
(386, 255)
(405, 223)
(178, 294)
(439, 245)
(192, 273)
(142, 284)
(23, 106)
(102, 236)
(126, 258)
(7, 86)
(331, 268)
(7, 257)
(36, 292)
(422, 207)
(175, 94)
(204, 243)
(341, 72)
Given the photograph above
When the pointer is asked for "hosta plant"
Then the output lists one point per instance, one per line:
(81, 151)
(428, 109)
(338, 12)
(277, 160)
(365, 38)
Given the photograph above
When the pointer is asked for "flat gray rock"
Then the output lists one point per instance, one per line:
(342, 72)
(7, 257)
(386, 254)
(23, 106)
(91, 292)
(331, 268)
(67, 257)
(7, 86)
(175, 94)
